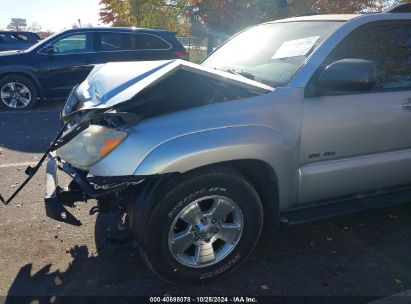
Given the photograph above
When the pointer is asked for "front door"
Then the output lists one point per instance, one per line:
(354, 142)
(69, 64)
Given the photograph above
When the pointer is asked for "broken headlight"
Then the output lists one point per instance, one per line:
(71, 103)
(91, 145)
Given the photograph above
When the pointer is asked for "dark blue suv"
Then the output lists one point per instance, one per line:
(50, 68)
(17, 40)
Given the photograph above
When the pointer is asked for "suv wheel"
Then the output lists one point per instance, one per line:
(17, 92)
(203, 227)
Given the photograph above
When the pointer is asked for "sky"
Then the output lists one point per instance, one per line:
(54, 15)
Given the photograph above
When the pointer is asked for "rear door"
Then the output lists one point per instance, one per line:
(361, 141)
(70, 63)
(130, 46)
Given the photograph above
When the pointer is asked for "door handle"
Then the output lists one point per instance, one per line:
(407, 105)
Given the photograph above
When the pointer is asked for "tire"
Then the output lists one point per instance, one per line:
(224, 246)
(24, 88)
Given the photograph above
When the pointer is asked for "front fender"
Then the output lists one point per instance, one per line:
(204, 148)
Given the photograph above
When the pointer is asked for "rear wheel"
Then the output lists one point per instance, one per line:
(17, 92)
(203, 227)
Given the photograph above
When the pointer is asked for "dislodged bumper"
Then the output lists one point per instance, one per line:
(56, 198)
(54, 208)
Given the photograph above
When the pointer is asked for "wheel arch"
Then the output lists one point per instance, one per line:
(28, 75)
(260, 175)
(256, 144)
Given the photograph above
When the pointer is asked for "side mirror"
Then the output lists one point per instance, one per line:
(48, 49)
(348, 75)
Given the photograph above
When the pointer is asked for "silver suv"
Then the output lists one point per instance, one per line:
(287, 122)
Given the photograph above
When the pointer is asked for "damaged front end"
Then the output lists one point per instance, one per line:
(99, 114)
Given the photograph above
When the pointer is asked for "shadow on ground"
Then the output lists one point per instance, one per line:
(364, 255)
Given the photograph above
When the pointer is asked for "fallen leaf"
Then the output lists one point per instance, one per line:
(58, 281)
(264, 286)
(329, 238)
(398, 281)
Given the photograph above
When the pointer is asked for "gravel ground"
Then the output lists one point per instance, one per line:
(357, 258)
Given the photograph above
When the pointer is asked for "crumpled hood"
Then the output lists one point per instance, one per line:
(113, 83)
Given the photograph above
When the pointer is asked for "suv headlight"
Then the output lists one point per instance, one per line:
(91, 145)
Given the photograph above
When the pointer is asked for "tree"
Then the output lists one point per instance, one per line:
(215, 18)
(167, 14)
(336, 6)
(17, 24)
(35, 27)
(116, 12)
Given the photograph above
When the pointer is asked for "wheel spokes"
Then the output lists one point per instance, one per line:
(11, 86)
(25, 101)
(15, 95)
(229, 232)
(24, 90)
(182, 241)
(5, 95)
(192, 215)
(205, 231)
(220, 209)
(13, 103)
(204, 253)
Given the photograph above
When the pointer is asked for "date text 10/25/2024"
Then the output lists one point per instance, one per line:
(170, 299)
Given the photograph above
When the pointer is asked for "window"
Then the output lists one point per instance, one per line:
(152, 42)
(19, 37)
(130, 41)
(111, 41)
(78, 43)
(388, 45)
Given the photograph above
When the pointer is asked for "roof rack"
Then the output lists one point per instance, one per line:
(400, 8)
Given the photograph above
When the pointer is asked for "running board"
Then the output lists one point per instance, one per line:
(325, 211)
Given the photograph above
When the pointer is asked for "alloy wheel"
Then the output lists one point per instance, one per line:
(205, 231)
(15, 95)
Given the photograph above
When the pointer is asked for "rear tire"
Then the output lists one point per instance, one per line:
(17, 92)
(220, 215)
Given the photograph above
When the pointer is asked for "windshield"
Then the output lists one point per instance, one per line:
(271, 53)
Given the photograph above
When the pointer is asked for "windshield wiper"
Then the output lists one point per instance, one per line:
(242, 73)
